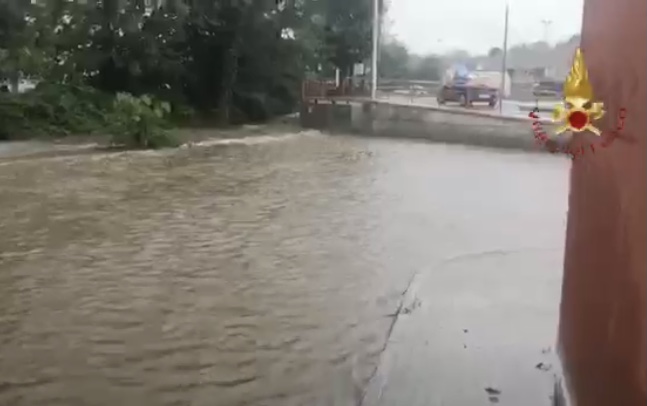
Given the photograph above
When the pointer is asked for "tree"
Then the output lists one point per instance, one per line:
(243, 58)
(17, 40)
(394, 62)
(427, 68)
(495, 52)
(348, 31)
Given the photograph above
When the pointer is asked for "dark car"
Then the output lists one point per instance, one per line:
(467, 95)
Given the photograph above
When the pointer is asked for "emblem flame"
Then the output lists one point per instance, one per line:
(579, 111)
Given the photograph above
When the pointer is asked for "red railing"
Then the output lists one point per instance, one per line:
(313, 89)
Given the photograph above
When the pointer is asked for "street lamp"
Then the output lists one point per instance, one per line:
(504, 59)
(376, 33)
(546, 24)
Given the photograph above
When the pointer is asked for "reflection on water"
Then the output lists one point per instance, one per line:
(248, 273)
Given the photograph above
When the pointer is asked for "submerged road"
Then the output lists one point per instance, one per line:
(271, 271)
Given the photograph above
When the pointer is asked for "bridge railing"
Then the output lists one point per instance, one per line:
(313, 89)
(320, 89)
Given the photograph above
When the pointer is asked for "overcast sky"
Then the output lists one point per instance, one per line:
(438, 26)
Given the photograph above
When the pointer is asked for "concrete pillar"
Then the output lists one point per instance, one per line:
(603, 326)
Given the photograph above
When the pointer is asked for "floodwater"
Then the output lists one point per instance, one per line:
(260, 271)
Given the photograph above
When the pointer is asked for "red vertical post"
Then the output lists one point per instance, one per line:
(603, 313)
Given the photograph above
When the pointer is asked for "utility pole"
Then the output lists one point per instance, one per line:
(376, 33)
(546, 24)
(504, 59)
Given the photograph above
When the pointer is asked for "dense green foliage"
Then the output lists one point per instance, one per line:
(54, 109)
(238, 60)
(139, 122)
(397, 63)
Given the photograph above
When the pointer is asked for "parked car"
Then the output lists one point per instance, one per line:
(548, 88)
(466, 94)
(468, 88)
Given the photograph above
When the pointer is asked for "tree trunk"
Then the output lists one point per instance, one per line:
(229, 77)
(230, 70)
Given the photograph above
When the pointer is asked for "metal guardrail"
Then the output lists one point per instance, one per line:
(408, 82)
(323, 89)
(326, 88)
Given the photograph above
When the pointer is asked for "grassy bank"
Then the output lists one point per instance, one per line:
(187, 137)
(69, 113)
(73, 114)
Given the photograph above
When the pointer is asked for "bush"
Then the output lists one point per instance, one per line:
(248, 106)
(139, 122)
(53, 110)
(57, 110)
(182, 114)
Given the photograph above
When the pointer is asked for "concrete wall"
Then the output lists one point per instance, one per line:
(326, 116)
(420, 121)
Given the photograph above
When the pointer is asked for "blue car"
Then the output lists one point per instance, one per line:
(467, 87)
(466, 94)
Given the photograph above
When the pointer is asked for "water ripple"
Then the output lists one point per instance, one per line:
(252, 272)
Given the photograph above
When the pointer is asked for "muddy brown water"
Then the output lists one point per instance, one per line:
(253, 272)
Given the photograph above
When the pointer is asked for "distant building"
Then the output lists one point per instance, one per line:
(530, 63)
